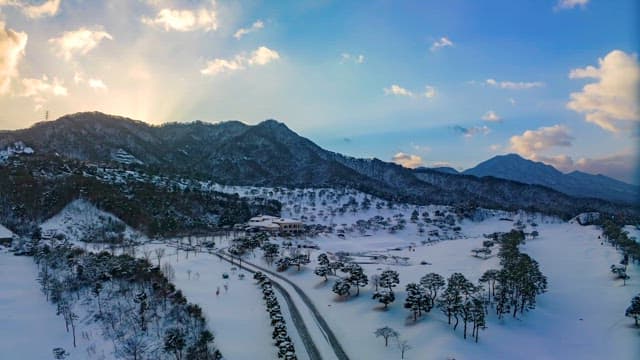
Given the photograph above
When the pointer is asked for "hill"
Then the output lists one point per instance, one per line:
(271, 154)
(579, 184)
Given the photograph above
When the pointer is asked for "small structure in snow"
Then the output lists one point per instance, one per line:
(274, 224)
(6, 236)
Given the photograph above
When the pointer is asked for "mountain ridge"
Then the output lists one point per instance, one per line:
(271, 154)
(576, 183)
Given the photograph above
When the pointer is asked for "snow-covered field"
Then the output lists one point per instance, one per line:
(580, 317)
(237, 316)
(29, 326)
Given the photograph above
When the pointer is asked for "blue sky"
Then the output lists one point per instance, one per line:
(422, 82)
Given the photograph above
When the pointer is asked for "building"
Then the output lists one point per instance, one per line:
(6, 236)
(274, 224)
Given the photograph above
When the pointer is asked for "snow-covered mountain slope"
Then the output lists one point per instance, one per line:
(513, 167)
(271, 154)
(82, 221)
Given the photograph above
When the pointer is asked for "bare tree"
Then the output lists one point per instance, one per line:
(386, 332)
(159, 254)
(404, 346)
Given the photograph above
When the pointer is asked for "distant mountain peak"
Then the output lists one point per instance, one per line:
(577, 183)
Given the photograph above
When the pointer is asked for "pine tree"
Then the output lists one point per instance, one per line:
(416, 300)
(341, 287)
(323, 259)
(478, 317)
(389, 279)
(432, 283)
(385, 297)
(358, 279)
(490, 277)
(633, 310)
(322, 271)
(174, 342)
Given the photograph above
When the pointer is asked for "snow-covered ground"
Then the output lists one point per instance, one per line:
(237, 316)
(634, 231)
(580, 317)
(29, 327)
(81, 219)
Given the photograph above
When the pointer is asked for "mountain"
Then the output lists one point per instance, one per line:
(579, 184)
(271, 154)
(445, 169)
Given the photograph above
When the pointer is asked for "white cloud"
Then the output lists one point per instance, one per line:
(397, 90)
(97, 84)
(512, 101)
(512, 85)
(78, 78)
(491, 116)
(560, 162)
(40, 90)
(613, 98)
(184, 19)
(532, 142)
(244, 31)
(78, 42)
(47, 8)
(218, 66)
(429, 92)
(12, 45)
(495, 147)
(358, 59)
(44, 9)
(261, 56)
(570, 4)
(620, 166)
(407, 160)
(441, 43)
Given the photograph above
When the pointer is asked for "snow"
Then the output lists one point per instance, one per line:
(5, 233)
(81, 218)
(16, 149)
(28, 323)
(581, 316)
(633, 230)
(237, 316)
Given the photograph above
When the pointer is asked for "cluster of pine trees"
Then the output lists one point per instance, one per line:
(280, 336)
(514, 288)
(617, 237)
(33, 191)
(133, 303)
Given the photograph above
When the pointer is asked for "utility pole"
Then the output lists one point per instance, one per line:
(46, 115)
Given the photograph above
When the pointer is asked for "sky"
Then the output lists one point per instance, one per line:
(421, 83)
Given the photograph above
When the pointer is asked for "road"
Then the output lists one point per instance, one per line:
(305, 335)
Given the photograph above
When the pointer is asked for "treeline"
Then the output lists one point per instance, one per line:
(510, 290)
(615, 235)
(31, 192)
(281, 339)
(134, 304)
(514, 287)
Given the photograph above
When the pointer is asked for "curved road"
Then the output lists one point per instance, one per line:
(306, 338)
(304, 334)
